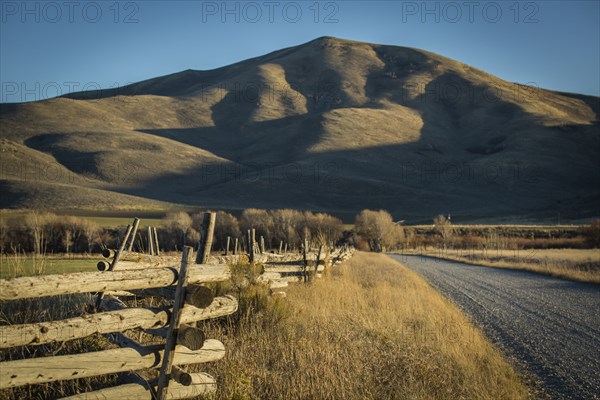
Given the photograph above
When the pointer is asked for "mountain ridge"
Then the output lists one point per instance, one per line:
(331, 125)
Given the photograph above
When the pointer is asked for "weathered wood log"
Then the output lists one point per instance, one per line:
(196, 295)
(108, 253)
(141, 257)
(133, 265)
(82, 282)
(103, 265)
(49, 369)
(318, 258)
(113, 264)
(156, 244)
(174, 323)
(191, 337)
(188, 336)
(293, 279)
(136, 223)
(305, 259)
(121, 250)
(270, 276)
(150, 241)
(289, 268)
(206, 238)
(117, 318)
(201, 384)
(199, 296)
(180, 376)
(278, 284)
(253, 241)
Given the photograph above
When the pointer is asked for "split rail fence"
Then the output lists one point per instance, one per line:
(128, 273)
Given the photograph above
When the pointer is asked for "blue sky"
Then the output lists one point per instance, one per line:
(54, 47)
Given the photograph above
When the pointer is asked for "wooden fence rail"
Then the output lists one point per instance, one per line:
(58, 368)
(85, 282)
(202, 384)
(107, 322)
(127, 273)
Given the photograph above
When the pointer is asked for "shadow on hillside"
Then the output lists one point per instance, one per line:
(472, 157)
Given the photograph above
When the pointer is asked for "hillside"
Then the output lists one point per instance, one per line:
(330, 125)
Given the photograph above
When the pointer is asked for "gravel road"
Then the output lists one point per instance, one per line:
(550, 326)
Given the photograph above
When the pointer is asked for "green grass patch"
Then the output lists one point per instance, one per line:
(16, 266)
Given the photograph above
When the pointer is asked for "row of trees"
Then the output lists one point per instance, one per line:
(373, 230)
(40, 233)
(289, 226)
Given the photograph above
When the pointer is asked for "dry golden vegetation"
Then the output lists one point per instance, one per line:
(47, 309)
(581, 265)
(372, 329)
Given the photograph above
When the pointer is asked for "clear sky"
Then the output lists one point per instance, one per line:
(54, 47)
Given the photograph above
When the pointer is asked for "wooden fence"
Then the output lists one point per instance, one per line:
(171, 277)
(127, 273)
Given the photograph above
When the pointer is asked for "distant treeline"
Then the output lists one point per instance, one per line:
(47, 233)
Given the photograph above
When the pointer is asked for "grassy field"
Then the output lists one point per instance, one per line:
(581, 265)
(103, 219)
(370, 329)
(13, 266)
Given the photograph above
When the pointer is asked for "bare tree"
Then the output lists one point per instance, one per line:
(324, 228)
(225, 225)
(260, 220)
(378, 229)
(285, 224)
(90, 232)
(36, 224)
(442, 226)
(178, 223)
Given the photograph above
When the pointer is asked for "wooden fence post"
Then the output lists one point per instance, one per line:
(156, 246)
(150, 242)
(167, 361)
(227, 247)
(136, 223)
(235, 248)
(305, 258)
(318, 258)
(206, 238)
(262, 245)
(114, 262)
(280, 246)
(252, 244)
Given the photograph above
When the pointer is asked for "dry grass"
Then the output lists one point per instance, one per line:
(371, 330)
(48, 309)
(582, 265)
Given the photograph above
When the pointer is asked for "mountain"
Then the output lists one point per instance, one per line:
(332, 125)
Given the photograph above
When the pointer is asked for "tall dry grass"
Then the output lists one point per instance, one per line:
(371, 330)
(49, 309)
(582, 265)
